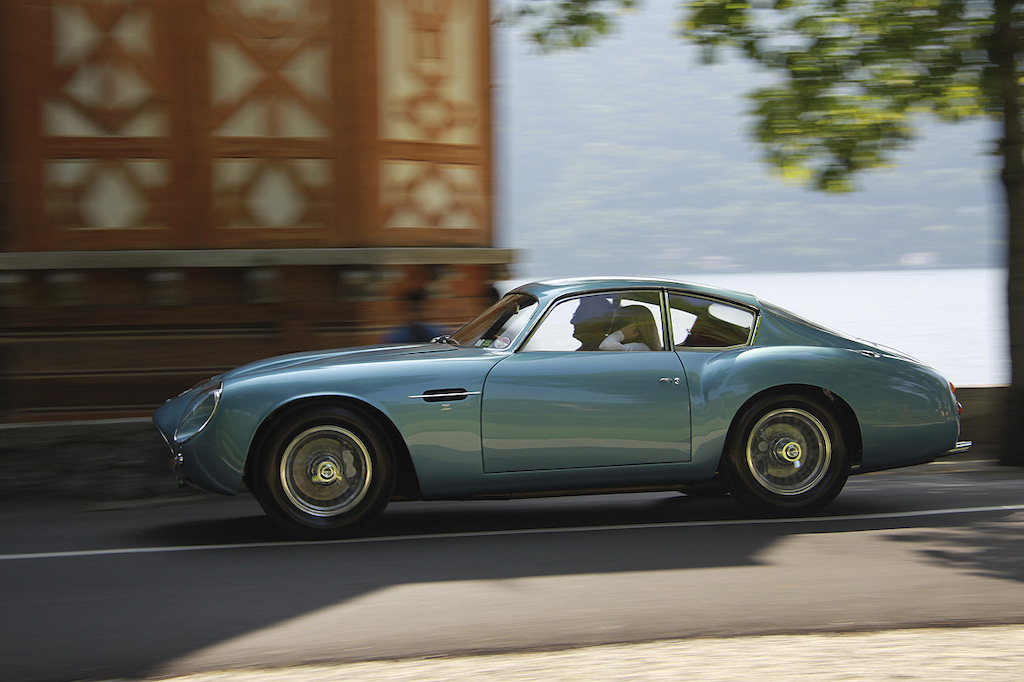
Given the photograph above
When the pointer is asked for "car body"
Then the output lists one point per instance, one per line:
(522, 401)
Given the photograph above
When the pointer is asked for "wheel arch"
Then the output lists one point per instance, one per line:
(841, 409)
(406, 481)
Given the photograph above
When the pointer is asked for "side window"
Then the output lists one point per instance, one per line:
(704, 323)
(607, 321)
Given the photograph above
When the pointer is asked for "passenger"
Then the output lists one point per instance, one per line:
(637, 331)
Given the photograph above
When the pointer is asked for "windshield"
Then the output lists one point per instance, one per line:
(499, 325)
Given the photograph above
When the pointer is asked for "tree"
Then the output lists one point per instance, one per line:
(559, 24)
(855, 78)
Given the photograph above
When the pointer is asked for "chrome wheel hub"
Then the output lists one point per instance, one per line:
(324, 471)
(788, 451)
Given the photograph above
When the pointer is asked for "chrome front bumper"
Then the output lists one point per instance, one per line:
(178, 469)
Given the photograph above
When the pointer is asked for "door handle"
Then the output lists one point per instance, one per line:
(441, 395)
(671, 380)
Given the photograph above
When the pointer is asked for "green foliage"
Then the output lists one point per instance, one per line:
(559, 24)
(854, 75)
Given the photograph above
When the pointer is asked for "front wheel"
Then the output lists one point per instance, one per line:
(323, 473)
(786, 457)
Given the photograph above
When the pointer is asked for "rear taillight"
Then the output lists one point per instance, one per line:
(959, 407)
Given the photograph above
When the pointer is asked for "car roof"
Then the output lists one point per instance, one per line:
(555, 288)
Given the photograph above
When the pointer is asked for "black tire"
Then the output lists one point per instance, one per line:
(323, 473)
(786, 456)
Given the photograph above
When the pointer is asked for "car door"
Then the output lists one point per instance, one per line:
(551, 406)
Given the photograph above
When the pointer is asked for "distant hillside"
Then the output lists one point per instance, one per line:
(633, 157)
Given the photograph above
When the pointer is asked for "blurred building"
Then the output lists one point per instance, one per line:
(186, 185)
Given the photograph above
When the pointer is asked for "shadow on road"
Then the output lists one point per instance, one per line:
(987, 549)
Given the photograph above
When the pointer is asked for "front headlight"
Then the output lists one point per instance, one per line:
(198, 414)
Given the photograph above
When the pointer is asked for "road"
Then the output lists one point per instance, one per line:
(176, 588)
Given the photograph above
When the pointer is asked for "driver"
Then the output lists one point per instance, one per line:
(591, 320)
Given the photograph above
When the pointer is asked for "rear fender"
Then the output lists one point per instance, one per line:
(900, 411)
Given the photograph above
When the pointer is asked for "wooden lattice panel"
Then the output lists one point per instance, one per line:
(106, 125)
(106, 71)
(106, 194)
(271, 115)
(247, 123)
(416, 194)
(433, 111)
(429, 70)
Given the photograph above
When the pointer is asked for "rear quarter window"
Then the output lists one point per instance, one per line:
(699, 322)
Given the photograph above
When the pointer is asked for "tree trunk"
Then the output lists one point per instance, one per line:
(1004, 57)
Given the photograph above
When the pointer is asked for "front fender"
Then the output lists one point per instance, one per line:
(442, 436)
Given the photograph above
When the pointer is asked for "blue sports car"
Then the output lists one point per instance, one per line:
(568, 386)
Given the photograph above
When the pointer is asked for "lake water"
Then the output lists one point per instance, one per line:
(953, 320)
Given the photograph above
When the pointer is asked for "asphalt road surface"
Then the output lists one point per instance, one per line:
(177, 588)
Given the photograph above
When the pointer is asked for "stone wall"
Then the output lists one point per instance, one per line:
(84, 462)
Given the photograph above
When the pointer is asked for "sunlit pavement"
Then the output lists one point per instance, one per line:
(985, 654)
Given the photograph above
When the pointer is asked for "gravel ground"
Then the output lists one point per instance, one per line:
(979, 654)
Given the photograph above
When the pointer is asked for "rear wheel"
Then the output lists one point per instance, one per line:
(787, 456)
(323, 473)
